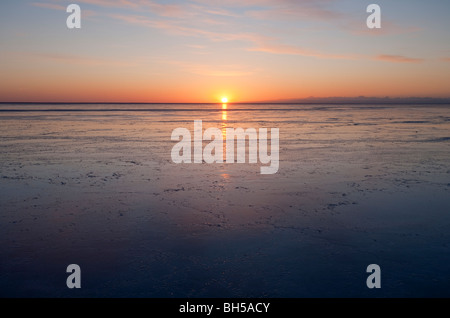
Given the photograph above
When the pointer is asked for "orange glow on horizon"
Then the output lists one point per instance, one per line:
(194, 59)
(85, 85)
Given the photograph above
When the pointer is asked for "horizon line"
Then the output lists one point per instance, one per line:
(299, 102)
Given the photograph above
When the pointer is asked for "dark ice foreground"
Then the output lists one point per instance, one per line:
(357, 185)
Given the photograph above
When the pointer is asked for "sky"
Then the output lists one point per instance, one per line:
(198, 51)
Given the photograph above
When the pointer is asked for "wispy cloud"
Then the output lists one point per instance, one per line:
(77, 59)
(305, 10)
(323, 11)
(225, 70)
(46, 5)
(212, 11)
(254, 41)
(197, 46)
(357, 27)
(277, 48)
(189, 18)
(175, 27)
(397, 59)
(165, 10)
(55, 6)
(219, 11)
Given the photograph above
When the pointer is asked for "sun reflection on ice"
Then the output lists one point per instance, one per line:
(224, 135)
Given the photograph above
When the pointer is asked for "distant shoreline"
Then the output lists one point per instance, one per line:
(307, 101)
(244, 103)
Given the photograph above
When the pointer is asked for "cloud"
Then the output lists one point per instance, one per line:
(254, 41)
(113, 3)
(225, 70)
(178, 28)
(262, 3)
(397, 59)
(77, 59)
(197, 46)
(206, 19)
(55, 6)
(168, 25)
(165, 10)
(320, 11)
(217, 11)
(276, 48)
(358, 27)
(304, 10)
(52, 6)
(221, 12)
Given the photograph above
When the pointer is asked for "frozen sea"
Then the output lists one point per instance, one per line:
(95, 185)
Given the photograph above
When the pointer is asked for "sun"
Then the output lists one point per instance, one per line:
(224, 100)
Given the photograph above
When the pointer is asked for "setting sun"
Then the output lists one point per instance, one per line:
(224, 100)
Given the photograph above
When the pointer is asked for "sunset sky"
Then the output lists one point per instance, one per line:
(203, 50)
